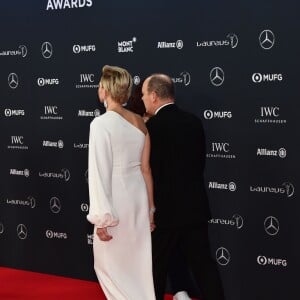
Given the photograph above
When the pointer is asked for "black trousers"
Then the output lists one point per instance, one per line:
(194, 244)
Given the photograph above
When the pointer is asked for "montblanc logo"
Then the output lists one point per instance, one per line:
(66, 4)
(220, 150)
(271, 153)
(269, 114)
(126, 46)
(64, 175)
(29, 202)
(210, 114)
(184, 78)
(259, 77)
(231, 186)
(87, 81)
(17, 142)
(286, 188)
(231, 40)
(277, 262)
(85, 113)
(50, 234)
(59, 144)
(166, 45)
(83, 48)
(16, 172)
(8, 112)
(236, 221)
(20, 51)
(47, 81)
(51, 113)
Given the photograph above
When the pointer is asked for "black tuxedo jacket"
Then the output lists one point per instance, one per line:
(177, 163)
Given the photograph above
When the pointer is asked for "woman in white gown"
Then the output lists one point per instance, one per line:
(121, 193)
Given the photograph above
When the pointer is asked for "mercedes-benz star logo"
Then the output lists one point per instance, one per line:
(55, 205)
(217, 76)
(266, 39)
(22, 231)
(271, 225)
(13, 80)
(222, 256)
(47, 50)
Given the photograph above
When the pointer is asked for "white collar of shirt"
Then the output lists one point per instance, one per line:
(162, 107)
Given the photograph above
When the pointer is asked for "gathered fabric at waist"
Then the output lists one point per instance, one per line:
(126, 169)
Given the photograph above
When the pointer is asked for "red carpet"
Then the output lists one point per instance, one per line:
(25, 285)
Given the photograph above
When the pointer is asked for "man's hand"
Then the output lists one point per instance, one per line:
(103, 234)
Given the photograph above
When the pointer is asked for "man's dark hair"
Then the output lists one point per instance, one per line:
(163, 85)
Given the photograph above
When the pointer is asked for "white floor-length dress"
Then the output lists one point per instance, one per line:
(118, 199)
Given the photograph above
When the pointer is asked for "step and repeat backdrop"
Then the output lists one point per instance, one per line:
(235, 65)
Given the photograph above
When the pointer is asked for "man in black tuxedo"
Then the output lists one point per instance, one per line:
(182, 210)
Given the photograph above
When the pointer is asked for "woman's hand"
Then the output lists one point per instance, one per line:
(152, 224)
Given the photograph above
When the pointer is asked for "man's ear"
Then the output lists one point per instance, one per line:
(153, 96)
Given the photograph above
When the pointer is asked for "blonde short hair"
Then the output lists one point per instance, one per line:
(117, 82)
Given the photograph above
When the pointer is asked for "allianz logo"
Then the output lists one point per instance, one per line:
(231, 186)
(166, 45)
(47, 81)
(16, 172)
(126, 46)
(58, 144)
(85, 113)
(263, 261)
(14, 112)
(65, 4)
(287, 188)
(209, 114)
(266, 152)
(50, 234)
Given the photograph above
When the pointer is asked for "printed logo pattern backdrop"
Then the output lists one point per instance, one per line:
(234, 65)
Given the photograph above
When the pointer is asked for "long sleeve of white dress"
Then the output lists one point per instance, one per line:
(100, 162)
